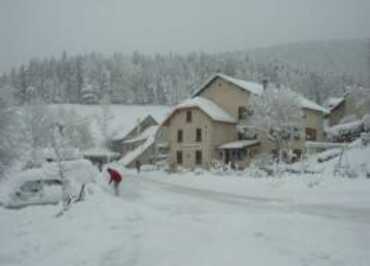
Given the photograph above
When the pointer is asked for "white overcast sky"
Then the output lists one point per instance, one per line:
(30, 28)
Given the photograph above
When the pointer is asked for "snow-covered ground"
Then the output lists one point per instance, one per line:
(203, 218)
(198, 219)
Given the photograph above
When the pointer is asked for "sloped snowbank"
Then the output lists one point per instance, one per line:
(354, 157)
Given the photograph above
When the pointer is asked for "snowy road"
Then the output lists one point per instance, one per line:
(155, 222)
(244, 201)
(204, 227)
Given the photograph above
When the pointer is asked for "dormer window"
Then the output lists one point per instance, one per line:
(189, 117)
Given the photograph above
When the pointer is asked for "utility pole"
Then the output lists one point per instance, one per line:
(368, 63)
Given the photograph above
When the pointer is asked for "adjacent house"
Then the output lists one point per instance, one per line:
(203, 130)
(354, 104)
(337, 109)
(145, 142)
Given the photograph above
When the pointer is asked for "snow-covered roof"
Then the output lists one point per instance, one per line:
(250, 86)
(210, 108)
(302, 101)
(333, 102)
(150, 131)
(122, 133)
(134, 154)
(238, 144)
(100, 152)
(308, 104)
(257, 89)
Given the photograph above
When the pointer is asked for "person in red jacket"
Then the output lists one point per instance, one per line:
(116, 178)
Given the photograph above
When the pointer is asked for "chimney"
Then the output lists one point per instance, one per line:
(265, 83)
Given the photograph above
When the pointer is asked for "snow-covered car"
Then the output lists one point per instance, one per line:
(43, 185)
(36, 192)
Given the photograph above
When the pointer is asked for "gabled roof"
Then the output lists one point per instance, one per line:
(148, 132)
(215, 112)
(308, 104)
(333, 102)
(257, 89)
(122, 134)
(249, 86)
(238, 144)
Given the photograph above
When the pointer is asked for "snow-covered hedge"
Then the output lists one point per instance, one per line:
(345, 132)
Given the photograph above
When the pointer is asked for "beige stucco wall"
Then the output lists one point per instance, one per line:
(221, 133)
(189, 144)
(213, 135)
(228, 96)
(315, 119)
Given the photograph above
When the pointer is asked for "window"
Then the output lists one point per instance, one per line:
(297, 155)
(188, 116)
(198, 157)
(239, 155)
(198, 137)
(296, 133)
(179, 157)
(242, 112)
(179, 136)
(311, 134)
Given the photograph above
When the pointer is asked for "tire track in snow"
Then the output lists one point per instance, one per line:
(361, 215)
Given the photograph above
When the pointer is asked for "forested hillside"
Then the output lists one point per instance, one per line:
(316, 69)
(336, 56)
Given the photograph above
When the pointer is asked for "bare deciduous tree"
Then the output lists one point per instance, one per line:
(276, 114)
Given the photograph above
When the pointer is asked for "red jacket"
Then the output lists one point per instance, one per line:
(114, 176)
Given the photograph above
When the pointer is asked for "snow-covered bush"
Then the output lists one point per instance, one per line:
(345, 132)
(348, 119)
(255, 171)
(265, 163)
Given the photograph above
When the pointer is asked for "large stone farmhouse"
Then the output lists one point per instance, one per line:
(203, 130)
